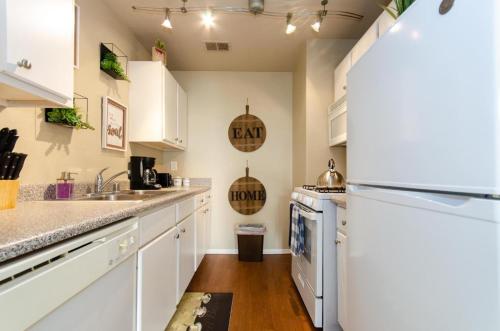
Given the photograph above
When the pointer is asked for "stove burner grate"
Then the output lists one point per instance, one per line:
(324, 189)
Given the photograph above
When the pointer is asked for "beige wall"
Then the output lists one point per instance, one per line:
(53, 149)
(215, 99)
(313, 79)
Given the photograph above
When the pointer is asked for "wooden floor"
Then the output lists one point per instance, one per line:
(265, 297)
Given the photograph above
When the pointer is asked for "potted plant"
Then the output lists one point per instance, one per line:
(159, 52)
(68, 117)
(400, 7)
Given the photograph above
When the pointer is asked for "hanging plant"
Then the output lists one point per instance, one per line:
(110, 62)
(401, 6)
(68, 117)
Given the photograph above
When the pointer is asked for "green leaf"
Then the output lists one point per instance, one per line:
(68, 116)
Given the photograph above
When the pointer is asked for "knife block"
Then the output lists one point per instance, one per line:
(8, 193)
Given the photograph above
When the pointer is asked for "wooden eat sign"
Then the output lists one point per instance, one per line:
(247, 195)
(247, 132)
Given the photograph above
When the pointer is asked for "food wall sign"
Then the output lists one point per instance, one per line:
(247, 195)
(247, 132)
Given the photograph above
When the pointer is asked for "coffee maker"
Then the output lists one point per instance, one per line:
(142, 174)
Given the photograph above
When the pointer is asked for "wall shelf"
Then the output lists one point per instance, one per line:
(107, 48)
(79, 101)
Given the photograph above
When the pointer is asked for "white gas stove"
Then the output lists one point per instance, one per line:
(315, 271)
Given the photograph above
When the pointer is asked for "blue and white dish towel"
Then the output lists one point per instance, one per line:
(297, 232)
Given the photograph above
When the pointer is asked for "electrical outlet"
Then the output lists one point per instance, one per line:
(173, 165)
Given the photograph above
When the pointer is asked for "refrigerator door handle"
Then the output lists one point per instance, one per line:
(456, 204)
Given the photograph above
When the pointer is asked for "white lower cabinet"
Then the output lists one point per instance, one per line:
(185, 254)
(342, 279)
(167, 258)
(342, 267)
(157, 282)
(199, 218)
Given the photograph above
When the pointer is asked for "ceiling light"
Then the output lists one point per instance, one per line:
(208, 19)
(167, 23)
(290, 28)
(317, 24)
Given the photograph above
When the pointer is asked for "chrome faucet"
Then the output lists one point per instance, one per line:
(100, 183)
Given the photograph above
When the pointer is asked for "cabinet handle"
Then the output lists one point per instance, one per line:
(183, 230)
(344, 87)
(177, 236)
(344, 222)
(23, 63)
(180, 141)
(337, 242)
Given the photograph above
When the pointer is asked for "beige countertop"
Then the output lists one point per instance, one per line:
(340, 201)
(37, 224)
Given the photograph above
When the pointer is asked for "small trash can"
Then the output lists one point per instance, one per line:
(250, 242)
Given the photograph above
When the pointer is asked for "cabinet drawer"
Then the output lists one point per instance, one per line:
(184, 209)
(156, 223)
(200, 200)
(341, 219)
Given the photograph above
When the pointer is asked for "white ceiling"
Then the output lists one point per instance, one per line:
(258, 43)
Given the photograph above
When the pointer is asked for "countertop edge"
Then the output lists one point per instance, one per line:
(16, 249)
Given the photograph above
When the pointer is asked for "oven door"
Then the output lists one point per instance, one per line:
(311, 261)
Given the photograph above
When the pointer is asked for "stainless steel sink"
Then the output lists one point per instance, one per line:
(130, 195)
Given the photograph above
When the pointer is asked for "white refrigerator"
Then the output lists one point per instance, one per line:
(423, 153)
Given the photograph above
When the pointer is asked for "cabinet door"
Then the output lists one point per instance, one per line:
(186, 254)
(157, 282)
(342, 279)
(170, 111)
(364, 44)
(200, 236)
(182, 117)
(340, 79)
(41, 34)
(208, 222)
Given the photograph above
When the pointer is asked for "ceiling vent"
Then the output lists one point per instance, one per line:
(217, 46)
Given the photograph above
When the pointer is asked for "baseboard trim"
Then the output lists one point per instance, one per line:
(235, 251)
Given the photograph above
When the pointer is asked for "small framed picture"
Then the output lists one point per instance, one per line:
(114, 124)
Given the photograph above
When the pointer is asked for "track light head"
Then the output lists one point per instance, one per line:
(167, 23)
(208, 19)
(317, 24)
(290, 28)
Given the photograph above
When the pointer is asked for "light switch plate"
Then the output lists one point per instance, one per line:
(173, 165)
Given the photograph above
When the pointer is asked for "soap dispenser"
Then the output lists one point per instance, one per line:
(65, 185)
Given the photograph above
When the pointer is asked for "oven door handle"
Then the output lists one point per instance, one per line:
(312, 216)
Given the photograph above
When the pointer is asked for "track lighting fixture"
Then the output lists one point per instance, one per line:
(317, 24)
(256, 8)
(321, 14)
(290, 28)
(167, 23)
(208, 19)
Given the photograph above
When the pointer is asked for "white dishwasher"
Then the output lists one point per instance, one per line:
(87, 283)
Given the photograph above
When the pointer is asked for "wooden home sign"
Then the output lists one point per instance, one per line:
(247, 132)
(247, 195)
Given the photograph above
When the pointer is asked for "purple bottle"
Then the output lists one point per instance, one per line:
(64, 186)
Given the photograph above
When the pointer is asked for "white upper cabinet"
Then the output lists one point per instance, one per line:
(182, 117)
(170, 107)
(36, 52)
(158, 112)
(340, 79)
(364, 44)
